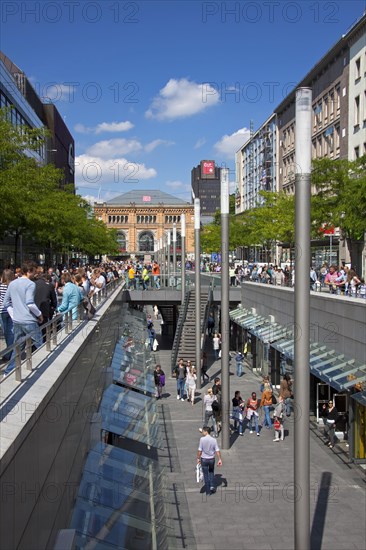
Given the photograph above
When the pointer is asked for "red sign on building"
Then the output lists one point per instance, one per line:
(207, 169)
(146, 198)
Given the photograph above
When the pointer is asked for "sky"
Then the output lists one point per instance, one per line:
(148, 89)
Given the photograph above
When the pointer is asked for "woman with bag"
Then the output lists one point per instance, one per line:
(266, 403)
(252, 413)
(191, 380)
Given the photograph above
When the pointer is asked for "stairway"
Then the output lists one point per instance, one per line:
(187, 344)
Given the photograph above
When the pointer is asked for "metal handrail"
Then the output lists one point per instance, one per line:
(52, 332)
(179, 329)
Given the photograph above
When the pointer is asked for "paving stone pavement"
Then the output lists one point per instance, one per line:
(254, 503)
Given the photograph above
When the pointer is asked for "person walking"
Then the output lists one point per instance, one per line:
(286, 392)
(252, 413)
(266, 403)
(207, 450)
(278, 415)
(238, 410)
(191, 379)
(330, 424)
(156, 275)
(180, 373)
(239, 364)
(208, 400)
(216, 345)
(159, 379)
(204, 367)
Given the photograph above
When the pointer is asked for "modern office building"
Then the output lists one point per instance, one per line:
(205, 183)
(143, 217)
(256, 166)
(27, 108)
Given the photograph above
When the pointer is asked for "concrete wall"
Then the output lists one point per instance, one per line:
(338, 322)
(40, 471)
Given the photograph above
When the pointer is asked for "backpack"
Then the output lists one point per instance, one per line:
(215, 406)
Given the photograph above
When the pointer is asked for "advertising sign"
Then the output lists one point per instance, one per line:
(207, 169)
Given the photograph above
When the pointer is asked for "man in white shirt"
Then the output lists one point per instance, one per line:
(207, 450)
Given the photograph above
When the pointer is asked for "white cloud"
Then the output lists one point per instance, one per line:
(182, 98)
(155, 143)
(199, 143)
(54, 92)
(99, 198)
(114, 148)
(229, 144)
(112, 127)
(95, 171)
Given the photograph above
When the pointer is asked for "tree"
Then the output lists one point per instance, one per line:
(340, 200)
(33, 203)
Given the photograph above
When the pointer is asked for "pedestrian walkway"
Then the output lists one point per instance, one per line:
(254, 503)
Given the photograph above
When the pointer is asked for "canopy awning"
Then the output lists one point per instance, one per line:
(271, 332)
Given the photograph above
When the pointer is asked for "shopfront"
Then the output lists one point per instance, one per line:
(333, 377)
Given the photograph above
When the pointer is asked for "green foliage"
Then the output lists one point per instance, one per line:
(34, 205)
(340, 199)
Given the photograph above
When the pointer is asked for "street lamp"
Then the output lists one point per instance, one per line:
(197, 279)
(168, 266)
(183, 255)
(225, 319)
(302, 317)
(174, 251)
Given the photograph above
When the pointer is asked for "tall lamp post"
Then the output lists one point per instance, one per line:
(168, 258)
(197, 284)
(183, 255)
(174, 251)
(302, 318)
(225, 319)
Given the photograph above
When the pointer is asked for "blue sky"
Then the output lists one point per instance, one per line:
(148, 89)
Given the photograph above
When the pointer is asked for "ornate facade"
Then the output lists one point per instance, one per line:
(142, 218)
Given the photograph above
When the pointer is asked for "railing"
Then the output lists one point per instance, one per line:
(178, 332)
(172, 281)
(205, 317)
(54, 333)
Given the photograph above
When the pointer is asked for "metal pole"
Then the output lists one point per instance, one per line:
(197, 284)
(160, 263)
(163, 265)
(168, 266)
(225, 319)
(174, 252)
(330, 249)
(183, 256)
(302, 318)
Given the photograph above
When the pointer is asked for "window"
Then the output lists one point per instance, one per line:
(357, 111)
(146, 242)
(356, 153)
(338, 98)
(325, 107)
(331, 105)
(121, 239)
(358, 69)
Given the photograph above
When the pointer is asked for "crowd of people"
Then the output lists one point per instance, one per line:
(339, 280)
(31, 295)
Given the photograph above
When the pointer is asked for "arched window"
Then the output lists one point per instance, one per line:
(146, 242)
(121, 239)
(109, 219)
